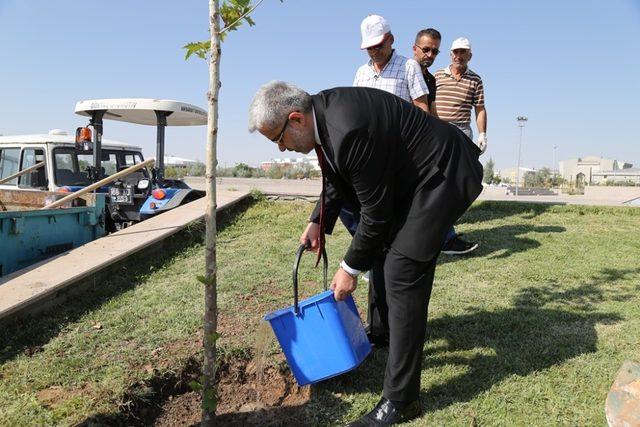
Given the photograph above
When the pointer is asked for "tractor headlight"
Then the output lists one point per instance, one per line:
(143, 184)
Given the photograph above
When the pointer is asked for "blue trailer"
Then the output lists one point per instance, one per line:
(29, 234)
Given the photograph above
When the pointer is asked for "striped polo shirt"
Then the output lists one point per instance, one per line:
(454, 98)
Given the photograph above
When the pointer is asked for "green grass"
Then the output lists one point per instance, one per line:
(529, 331)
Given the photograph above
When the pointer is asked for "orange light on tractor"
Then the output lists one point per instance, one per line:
(64, 190)
(158, 194)
(83, 134)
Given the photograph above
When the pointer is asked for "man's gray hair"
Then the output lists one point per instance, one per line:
(273, 102)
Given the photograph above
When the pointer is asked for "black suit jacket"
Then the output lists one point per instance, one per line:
(410, 175)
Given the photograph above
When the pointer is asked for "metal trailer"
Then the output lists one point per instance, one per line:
(29, 234)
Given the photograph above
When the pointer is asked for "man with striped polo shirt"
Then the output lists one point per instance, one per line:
(458, 89)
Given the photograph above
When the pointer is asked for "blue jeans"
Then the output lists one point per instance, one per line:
(465, 128)
(350, 220)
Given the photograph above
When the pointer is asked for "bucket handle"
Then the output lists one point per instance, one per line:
(296, 264)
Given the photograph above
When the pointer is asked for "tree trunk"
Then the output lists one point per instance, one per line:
(209, 397)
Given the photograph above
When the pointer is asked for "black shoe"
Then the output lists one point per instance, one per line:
(378, 341)
(385, 414)
(458, 246)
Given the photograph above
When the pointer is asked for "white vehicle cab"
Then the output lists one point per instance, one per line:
(64, 166)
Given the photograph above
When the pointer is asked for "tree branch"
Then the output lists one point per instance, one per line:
(240, 18)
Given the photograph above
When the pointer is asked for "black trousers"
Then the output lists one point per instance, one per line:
(377, 315)
(405, 286)
(399, 293)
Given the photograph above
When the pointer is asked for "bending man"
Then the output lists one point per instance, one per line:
(411, 175)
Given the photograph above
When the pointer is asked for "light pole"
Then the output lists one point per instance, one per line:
(555, 147)
(521, 121)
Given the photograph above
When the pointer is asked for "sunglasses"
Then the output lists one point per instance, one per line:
(278, 139)
(427, 50)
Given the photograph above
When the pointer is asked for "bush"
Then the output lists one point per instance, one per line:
(196, 169)
(174, 172)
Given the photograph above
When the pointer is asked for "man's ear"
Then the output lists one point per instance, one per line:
(297, 116)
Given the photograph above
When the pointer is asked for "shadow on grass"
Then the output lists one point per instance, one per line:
(584, 297)
(491, 210)
(504, 241)
(28, 333)
(490, 346)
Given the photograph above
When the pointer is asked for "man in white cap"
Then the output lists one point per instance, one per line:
(458, 89)
(401, 76)
(386, 69)
(425, 49)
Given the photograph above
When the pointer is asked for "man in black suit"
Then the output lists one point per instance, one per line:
(411, 176)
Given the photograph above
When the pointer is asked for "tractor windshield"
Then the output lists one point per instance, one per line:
(71, 165)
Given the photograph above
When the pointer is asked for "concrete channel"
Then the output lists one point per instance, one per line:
(53, 281)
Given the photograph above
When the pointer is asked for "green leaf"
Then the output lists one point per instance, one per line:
(210, 400)
(207, 282)
(195, 385)
(214, 336)
(198, 48)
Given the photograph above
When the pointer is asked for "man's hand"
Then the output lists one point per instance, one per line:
(343, 284)
(311, 236)
(482, 142)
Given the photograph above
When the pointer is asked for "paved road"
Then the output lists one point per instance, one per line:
(311, 188)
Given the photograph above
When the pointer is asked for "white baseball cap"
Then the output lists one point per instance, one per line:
(373, 30)
(461, 43)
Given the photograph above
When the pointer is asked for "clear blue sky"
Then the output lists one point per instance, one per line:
(572, 66)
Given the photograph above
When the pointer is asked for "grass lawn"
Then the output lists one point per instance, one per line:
(530, 330)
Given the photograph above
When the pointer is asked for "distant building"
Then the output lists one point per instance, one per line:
(178, 162)
(288, 163)
(626, 175)
(594, 170)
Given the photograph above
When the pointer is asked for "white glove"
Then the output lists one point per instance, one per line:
(482, 142)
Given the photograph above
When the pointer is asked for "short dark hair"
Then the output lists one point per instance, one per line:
(429, 32)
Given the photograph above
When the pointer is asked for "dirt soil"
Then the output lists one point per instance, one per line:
(244, 399)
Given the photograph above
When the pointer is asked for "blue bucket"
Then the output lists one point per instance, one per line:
(320, 337)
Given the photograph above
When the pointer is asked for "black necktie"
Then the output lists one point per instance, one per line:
(321, 225)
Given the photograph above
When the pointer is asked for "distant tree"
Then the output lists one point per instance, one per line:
(242, 170)
(557, 181)
(275, 172)
(540, 179)
(225, 172)
(308, 171)
(174, 172)
(258, 173)
(196, 169)
(487, 177)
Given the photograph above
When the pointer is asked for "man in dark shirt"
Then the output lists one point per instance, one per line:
(425, 50)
